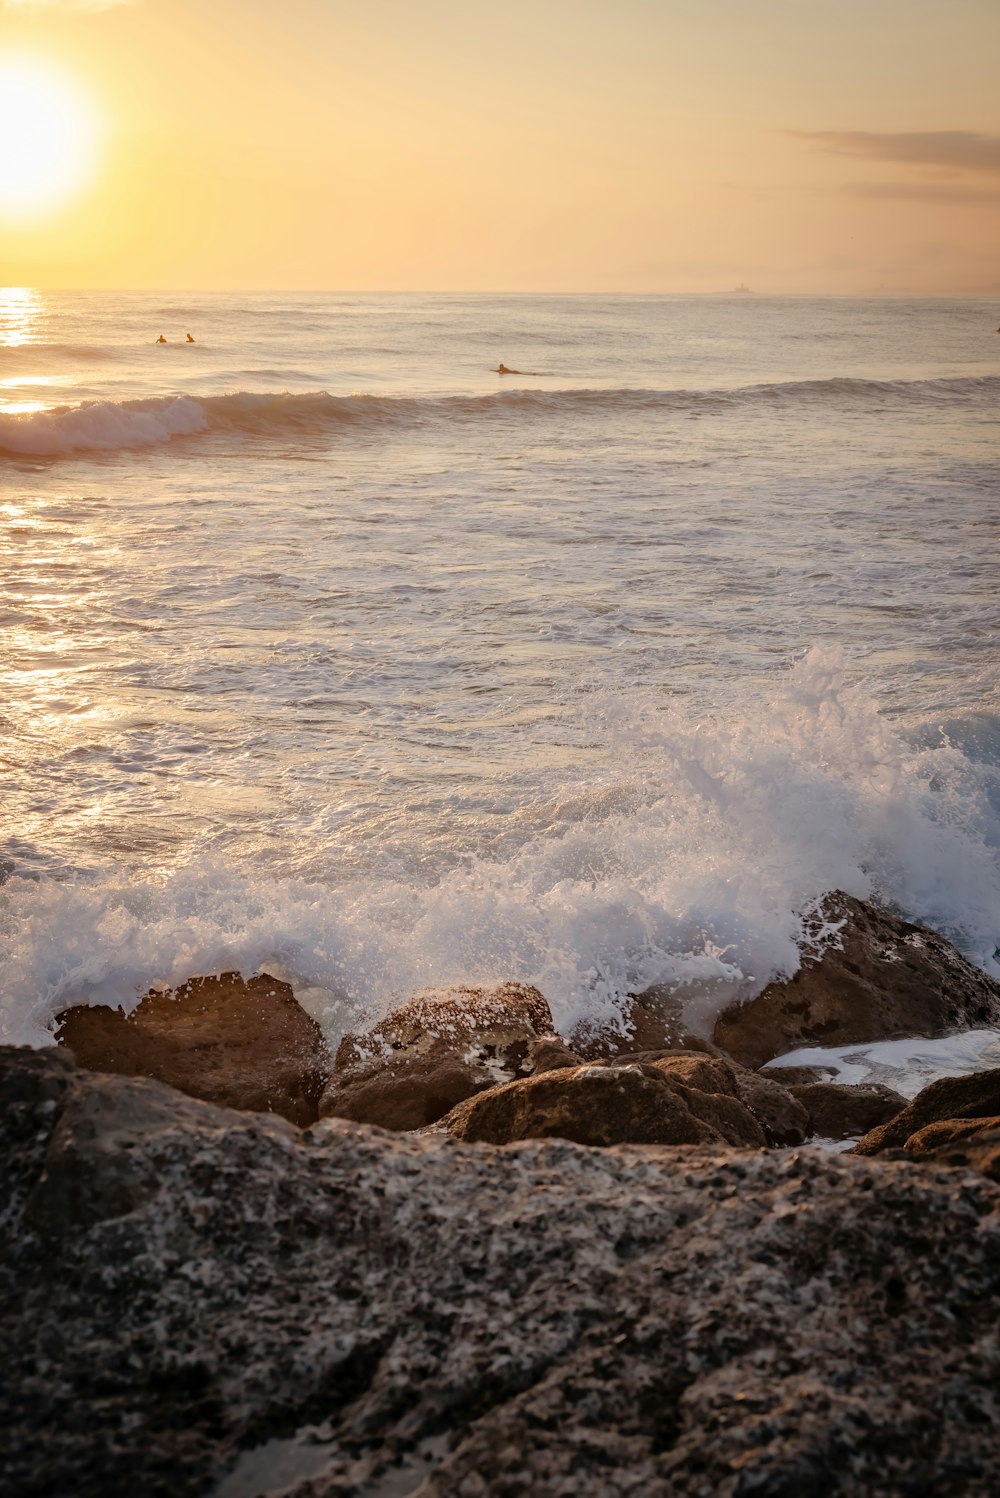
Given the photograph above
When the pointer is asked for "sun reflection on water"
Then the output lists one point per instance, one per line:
(21, 309)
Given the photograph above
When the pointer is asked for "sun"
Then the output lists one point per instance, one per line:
(48, 139)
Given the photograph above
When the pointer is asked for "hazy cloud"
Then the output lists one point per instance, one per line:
(924, 192)
(947, 150)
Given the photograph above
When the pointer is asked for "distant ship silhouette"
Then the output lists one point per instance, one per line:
(741, 287)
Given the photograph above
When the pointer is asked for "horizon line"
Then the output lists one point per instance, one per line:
(991, 290)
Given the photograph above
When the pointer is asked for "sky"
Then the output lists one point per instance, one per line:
(535, 145)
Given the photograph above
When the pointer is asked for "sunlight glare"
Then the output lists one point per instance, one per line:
(48, 138)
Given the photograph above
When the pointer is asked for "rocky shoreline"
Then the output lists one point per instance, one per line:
(467, 1256)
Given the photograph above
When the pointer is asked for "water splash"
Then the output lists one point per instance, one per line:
(694, 862)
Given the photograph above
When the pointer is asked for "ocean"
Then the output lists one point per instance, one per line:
(331, 652)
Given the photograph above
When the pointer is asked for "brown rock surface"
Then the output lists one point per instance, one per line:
(703, 1073)
(247, 1045)
(950, 1098)
(783, 1118)
(653, 1022)
(970, 1142)
(443, 1046)
(603, 1104)
(784, 1121)
(837, 1112)
(888, 979)
(949, 1131)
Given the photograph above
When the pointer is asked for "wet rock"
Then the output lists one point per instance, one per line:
(241, 1044)
(798, 1076)
(443, 1046)
(602, 1104)
(887, 979)
(974, 1096)
(223, 1290)
(651, 1021)
(837, 1112)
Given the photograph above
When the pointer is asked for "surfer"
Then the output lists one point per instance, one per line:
(161, 339)
(190, 339)
(502, 369)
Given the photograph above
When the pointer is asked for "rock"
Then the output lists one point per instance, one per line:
(970, 1142)
(653, 1021)
(973, 1096)
(888, 979)
(783, 1118)
(702, 1073)
(239, 1044)
(602, 1104)
(837, 1112)
(797, 1076)
(937, 1136)
(443, 1046)
(220, 1292)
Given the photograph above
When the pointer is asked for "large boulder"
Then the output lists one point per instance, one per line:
(445, 1045)
(203, 1301)
(241, 1044)
(974, 1096)
(885, 978)
(606, 1103)
(844, 1112)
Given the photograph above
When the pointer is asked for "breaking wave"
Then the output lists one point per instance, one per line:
(693, 860)
(102, 425)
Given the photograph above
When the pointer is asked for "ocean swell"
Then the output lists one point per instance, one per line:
(103, 425)
(100, 426)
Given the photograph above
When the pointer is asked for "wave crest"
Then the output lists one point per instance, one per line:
(102, 425)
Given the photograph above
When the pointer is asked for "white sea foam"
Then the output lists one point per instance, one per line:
(100, 426)
(691, 863)
(907, 1065)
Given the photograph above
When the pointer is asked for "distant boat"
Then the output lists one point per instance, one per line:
(741, 287)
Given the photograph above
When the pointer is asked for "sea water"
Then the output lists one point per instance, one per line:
(329, 651)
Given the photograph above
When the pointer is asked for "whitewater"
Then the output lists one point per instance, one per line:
(328, 651)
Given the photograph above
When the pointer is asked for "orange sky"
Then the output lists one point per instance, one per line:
(563, 145)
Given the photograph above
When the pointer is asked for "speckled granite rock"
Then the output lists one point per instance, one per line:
(241, 1044)
(190, 1292)
(888, 978)
(438, 1048)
